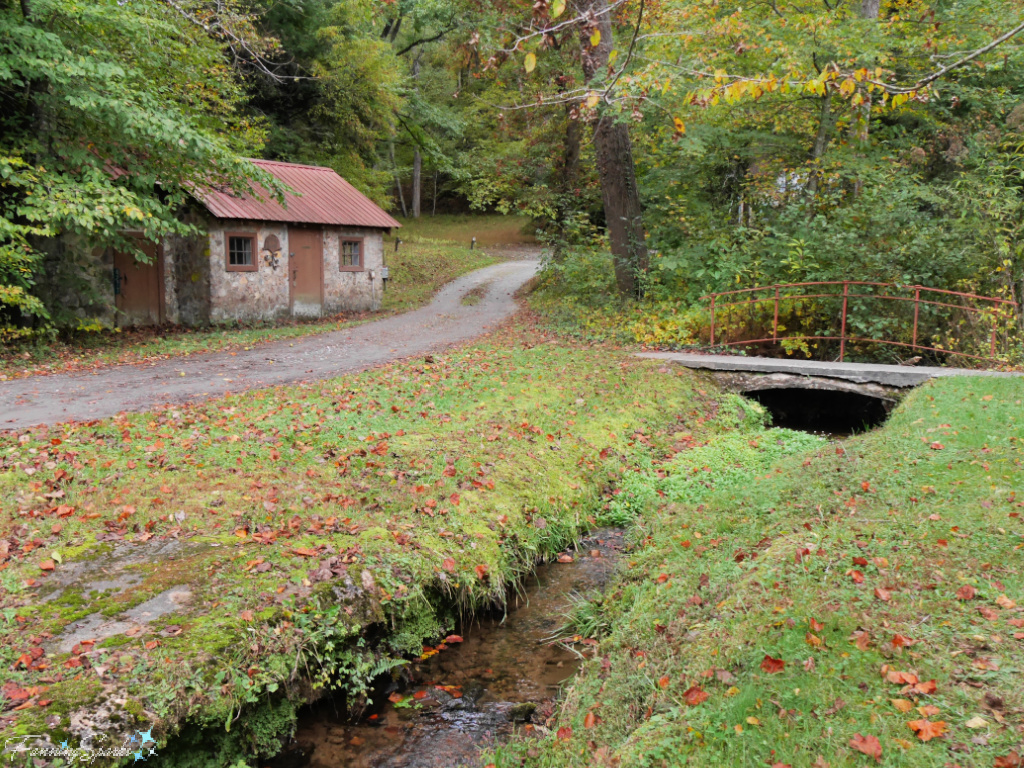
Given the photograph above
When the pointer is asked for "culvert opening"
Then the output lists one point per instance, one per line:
(822, 411)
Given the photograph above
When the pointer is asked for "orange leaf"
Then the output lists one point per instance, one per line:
(695, 695)
(47, 565)
(869, 745)
(590, 720)
(857, 576)
(448, 565)
(453, 639)
(664, 682)
(816, 625)
(770, 665)
(883, 594)
(966, 592)
(1012, 760)
(481, 571)
(926, 729)
(564, 733)
(304, 552)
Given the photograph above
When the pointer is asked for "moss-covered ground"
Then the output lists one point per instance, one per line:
(324, 531)
(434, 251)
(793, 601)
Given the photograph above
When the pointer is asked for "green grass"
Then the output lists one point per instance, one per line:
(831, 558)
(433, 253)
(424, 489)
(489, 229)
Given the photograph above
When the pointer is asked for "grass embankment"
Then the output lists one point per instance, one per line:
(434, 252)
(798, 603)
(304, 521)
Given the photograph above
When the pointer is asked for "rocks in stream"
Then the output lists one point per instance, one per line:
(522, 713)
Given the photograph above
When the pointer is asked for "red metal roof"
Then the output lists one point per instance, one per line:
(324, 198)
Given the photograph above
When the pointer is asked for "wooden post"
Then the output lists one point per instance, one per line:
(917, 310)
(842, 332)
(775, 325)
(712, 321)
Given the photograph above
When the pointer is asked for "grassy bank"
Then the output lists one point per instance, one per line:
(793, 602)
(303, 537)
(434, 252)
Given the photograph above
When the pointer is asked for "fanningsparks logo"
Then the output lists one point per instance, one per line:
(138, 746)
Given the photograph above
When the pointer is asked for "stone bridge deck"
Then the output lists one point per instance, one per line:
(893, 376)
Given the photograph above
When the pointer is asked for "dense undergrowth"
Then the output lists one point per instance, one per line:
(793, 601)
(322, 532)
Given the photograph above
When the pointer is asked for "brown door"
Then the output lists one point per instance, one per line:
(138, 287)
(306, 247)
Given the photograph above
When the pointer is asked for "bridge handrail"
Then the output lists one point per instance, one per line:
(846, 296)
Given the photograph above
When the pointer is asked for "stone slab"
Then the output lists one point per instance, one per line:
(901, 376)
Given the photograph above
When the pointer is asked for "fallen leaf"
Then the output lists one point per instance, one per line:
(966, 592)
(927, 729)
(869, 745)
(695, 695)
(589, 720)
(977, 722)
(453, 639)
(564, 733)
(771, 666)
(664, 682)
(883, 594)
(903, 705)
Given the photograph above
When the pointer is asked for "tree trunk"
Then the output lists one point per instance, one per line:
(417, 173)
(398, 181)
(860, 123)
(433, 210)
(614, 151)
(826, 122)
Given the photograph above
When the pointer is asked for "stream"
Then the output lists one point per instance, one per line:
(472, 694)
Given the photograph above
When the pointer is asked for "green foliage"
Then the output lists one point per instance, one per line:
(113, 113)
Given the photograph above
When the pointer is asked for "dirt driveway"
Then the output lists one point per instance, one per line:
(98, 394)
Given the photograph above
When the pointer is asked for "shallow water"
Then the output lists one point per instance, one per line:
(466, 696)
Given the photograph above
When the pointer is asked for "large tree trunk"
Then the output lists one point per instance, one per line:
(417, 173)
(826, 122)
(398, 180)
(615, 168)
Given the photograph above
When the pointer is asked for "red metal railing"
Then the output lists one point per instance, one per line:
(991, 302)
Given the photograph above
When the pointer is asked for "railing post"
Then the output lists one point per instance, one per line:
(775, 325)
(842, 332)
(712, 321)
(917, 310)
(992, 353)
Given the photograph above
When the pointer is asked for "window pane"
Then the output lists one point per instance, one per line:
(240, 251)
(350, 256)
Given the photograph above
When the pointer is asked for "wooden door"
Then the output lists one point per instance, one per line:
(306, 250)
(139, 287)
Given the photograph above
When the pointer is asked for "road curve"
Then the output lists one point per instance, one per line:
(108, 391)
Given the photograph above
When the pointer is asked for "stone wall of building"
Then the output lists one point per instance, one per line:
(353, 291)
(247, 296)
(187, 275)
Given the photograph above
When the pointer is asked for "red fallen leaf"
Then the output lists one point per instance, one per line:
(695, 695)
(936, 446)
(420, 695)
(928, 686)
(152, 644)
(816, 625)
(988, 613)
(449, 471)
(47, 565)
(396, 698)
(869, 745)
(481, 571)
(589, 721)
(902, 641)
(453, 639)
(304, 552)
(448, 565)
(883, 594)
(44, 702)
(664, 682)
(857, 576)
(771, 666)
(564, 558)
(564, 733)
(246, 615)
(966, 592)
(926, 729)
(1016, 623)
(900, 678)
(1012, 760)
(662, 578)
(454, 499)
(861, 561)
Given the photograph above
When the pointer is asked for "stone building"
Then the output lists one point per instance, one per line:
(320, 253)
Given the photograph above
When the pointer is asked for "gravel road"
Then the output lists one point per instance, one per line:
(105, 392)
